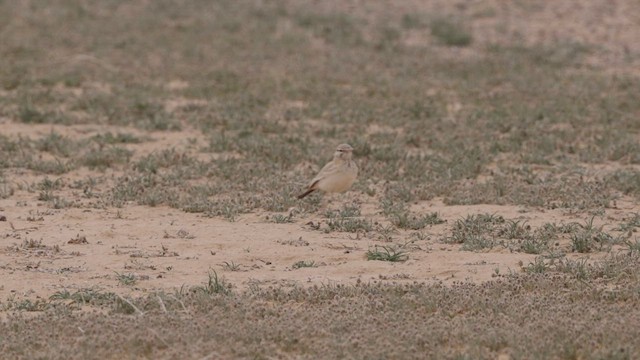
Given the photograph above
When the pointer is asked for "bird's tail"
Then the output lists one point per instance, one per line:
(306, 193)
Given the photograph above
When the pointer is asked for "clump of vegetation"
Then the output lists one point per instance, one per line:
(126, 279)
(450, 32)
(349, 225)
(303, 264)
(515, 123)
(476, 232)
(214, 286)
(387, 253)
(588, 237)
(400, 216)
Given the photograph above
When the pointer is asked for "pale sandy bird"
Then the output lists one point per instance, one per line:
(338, 175)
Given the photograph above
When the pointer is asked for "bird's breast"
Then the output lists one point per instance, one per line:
(339, 182)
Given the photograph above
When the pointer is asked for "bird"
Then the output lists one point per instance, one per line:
(338, 175)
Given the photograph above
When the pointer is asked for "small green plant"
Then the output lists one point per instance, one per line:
(582, 242)
(46, 195)
(576, 268)
(533, 245)
(57, 144)
(33, 244)
(303, 264)
(630, 223)
(450, 32)
(390, 207)
(387, 253)
(48, 184)
(6, 190)
(477, 242)
(476, 231)
(633, 246)
(28, 305)
(105, 158)
(409, 221)
(589, 237)
(347, 211)
(230, 266)
(152, 116)
(538, 266)
(118, 138)
(515, 229)
(349, 225)
(567, 228)
(55, 166)
(28, 113)
(413, 21)
(386, 232)
(214, 285)
(228, 211)
(282, 219)
(60, 295)
(126, 279)
(85, 296)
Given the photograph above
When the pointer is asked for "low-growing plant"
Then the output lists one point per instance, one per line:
(55, 166)
(48, 184)
(515, 229)
(538, 266)
(230, 266)
(33, 244)
(282, 219)
(26, 305)
(347, 211)
(104, 158)
(214, 286)
(386, 232)
(478, 229)
(85, 296)
(57, 144)
(126, 279)
(410, 221)
(109, 138)
(630, 224)
(349, 225)
(303, 264)
(577, 268)
(476, 242)
(450, 32)
(387, 253)
(533, 245)
(633, 246)
(589, 237)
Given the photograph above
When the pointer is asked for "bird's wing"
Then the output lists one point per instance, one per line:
(326, 170)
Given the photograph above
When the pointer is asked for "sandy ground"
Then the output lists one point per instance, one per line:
(165, 248)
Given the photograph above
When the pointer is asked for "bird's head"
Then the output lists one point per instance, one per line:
(343, 152)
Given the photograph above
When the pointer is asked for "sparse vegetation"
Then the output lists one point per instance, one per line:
(472, 130)
(387, 253)
(476, 232)
(450, 32)
(400, 216)
(303, 264)
(351, 225)
(230, 266)
(417, 306)
(215, 285)
(126, 279)
(589, 237)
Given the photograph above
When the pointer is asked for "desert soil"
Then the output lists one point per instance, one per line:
(165, 248)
